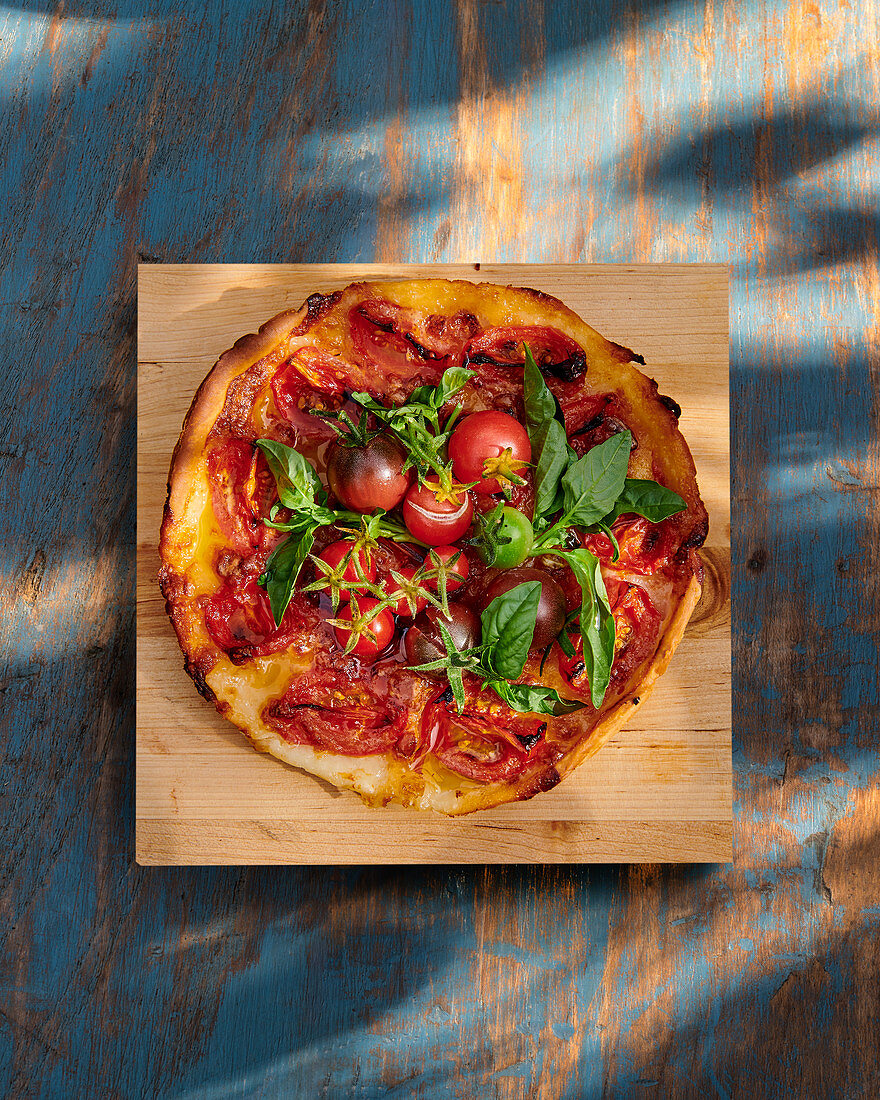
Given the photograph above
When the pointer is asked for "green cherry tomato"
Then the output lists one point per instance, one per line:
(515, 538)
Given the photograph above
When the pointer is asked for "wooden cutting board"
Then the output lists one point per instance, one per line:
(659, 791)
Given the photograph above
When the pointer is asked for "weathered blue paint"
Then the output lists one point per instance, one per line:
(180, 132)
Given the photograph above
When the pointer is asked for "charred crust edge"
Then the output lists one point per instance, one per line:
(697, 537)
(317, 305)
(544, 781)
(198, 677)
(670, 404)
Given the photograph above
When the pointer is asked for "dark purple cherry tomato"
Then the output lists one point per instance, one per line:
(551, 607)
(424, 643)
(368, 477)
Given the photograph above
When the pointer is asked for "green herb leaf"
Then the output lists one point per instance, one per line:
(453, 671)
(592, 485)
(508, 627)
(648, 499)
(539, 401)
(283, 567)
(531, 699)
(551, 454)
(609, 534)
(454, 378)
(299, 487)
(550, 457)
(597, 622)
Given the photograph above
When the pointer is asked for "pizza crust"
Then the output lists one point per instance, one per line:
(381, 779)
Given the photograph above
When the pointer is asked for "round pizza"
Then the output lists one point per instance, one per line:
(431, 541)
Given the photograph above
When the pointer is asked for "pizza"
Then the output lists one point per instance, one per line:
(431, 541)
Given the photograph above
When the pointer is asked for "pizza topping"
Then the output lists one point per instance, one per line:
(550, 615)
(237, 492)
(455, 566)
(436, 515)
(365, 626)
(329, 709)
(424, 639)
(508, 624)
(554, 352)
(416, 424)
(369, 474)
(307, 385)
(490, 449)
(237, 619)
(505, 537)
(383, 334)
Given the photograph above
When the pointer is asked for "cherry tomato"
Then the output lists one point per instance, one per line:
(515, 538)
(373, 636)
(359, 567)
(402, 607)
(490, 448)
(551, 606)
(424, 643)
(368, 477)
(457, 574)
(438, 522)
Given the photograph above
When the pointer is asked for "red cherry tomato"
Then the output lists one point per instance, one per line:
(489, 447)
(402, 607)
(373, 636)
(359, 566)
(457, 573)
(438, 522)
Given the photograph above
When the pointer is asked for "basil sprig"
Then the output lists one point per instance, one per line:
(551, 453)
(300, 490)
(508, 627)
(416, 424)
(589, 493)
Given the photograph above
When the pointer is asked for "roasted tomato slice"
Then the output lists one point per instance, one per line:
(554, 352)
(382, 333)
(304, 385)
(484, 748)
(239, 616)
(326, 710)
(243, 490)
(645, 547)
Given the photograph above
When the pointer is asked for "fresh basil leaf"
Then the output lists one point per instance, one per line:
(508, 627)
(550, 450)
(565, 643)
(648, 499)
(592, 485)
(530, 699)
(597, 622)
(551, 459)
(454, 378)
(283, 567)
(539, 401)
(609, 534)
(299, 487)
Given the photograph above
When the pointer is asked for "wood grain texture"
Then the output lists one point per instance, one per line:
(743, 134)
(660, 791)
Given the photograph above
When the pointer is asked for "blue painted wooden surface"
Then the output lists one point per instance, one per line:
(745, 133)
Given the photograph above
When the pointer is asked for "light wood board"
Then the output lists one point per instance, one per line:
(659, 791)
